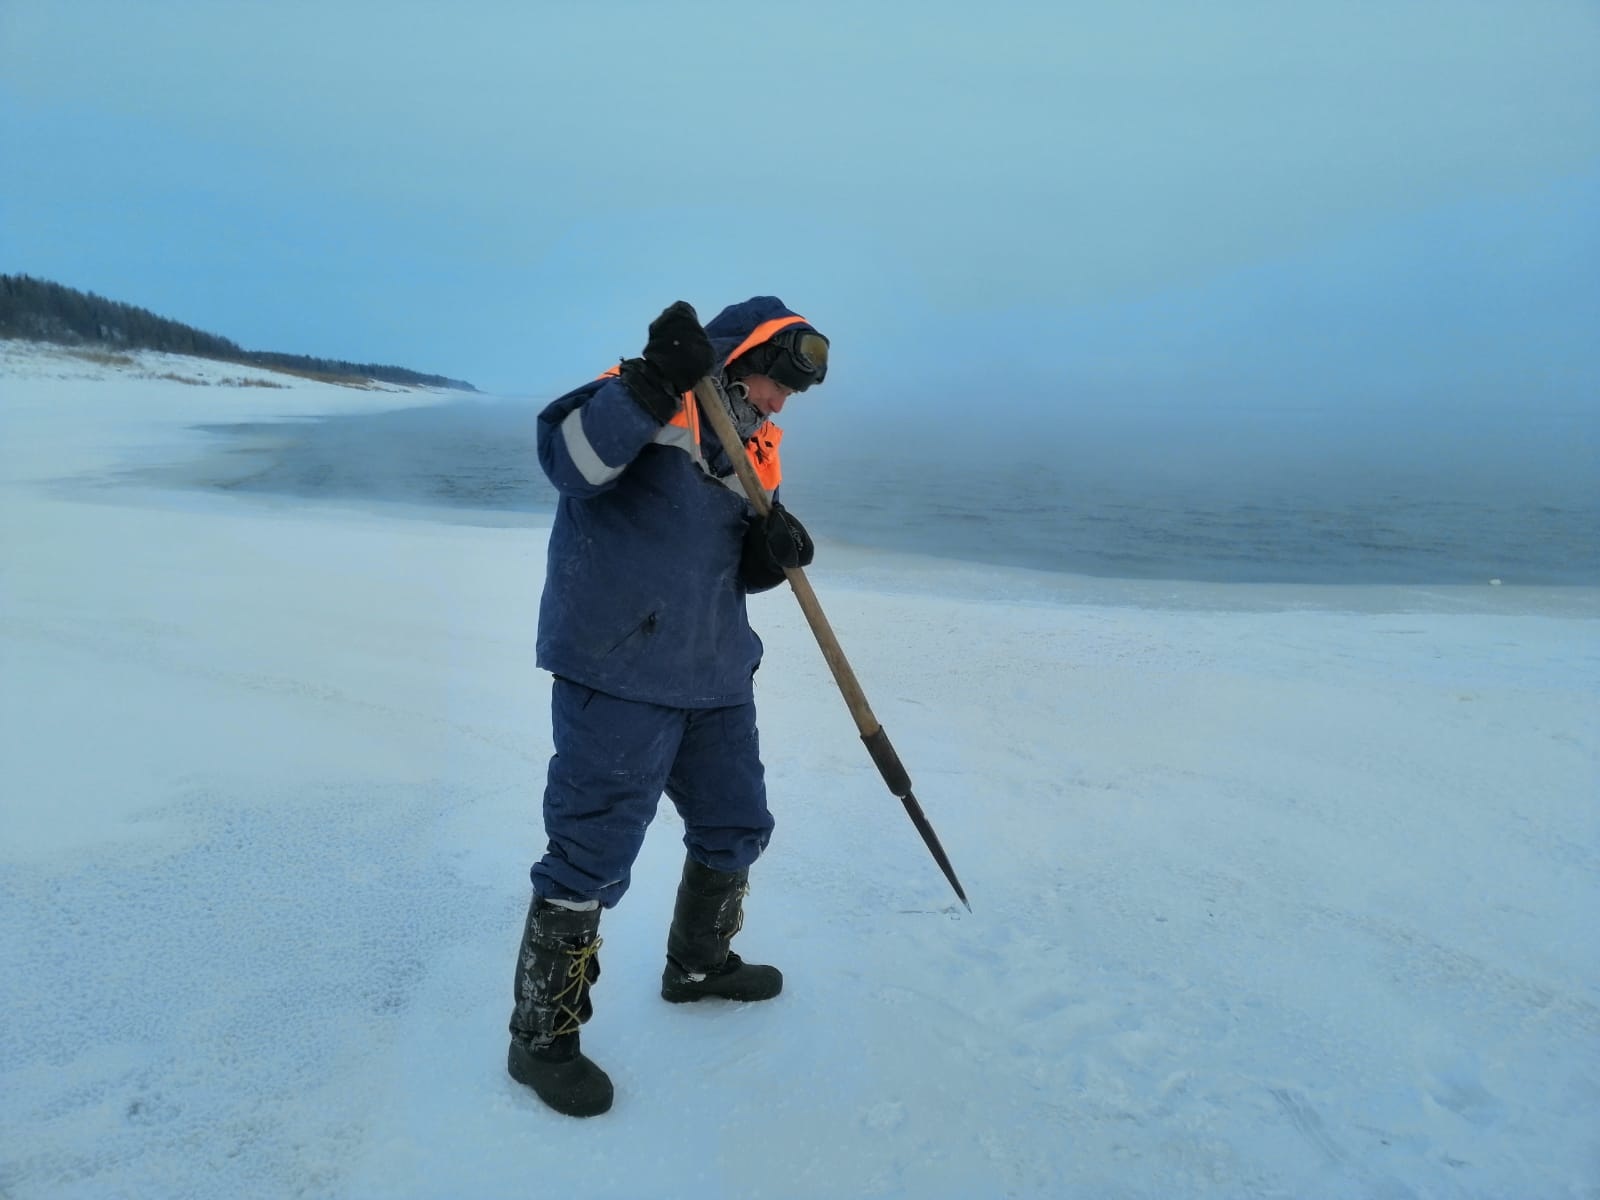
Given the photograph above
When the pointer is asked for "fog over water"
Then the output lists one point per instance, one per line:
(1288, 503)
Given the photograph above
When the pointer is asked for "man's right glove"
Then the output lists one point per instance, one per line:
(771, 543)
(675, 358)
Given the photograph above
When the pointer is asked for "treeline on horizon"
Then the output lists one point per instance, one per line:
(38, 310)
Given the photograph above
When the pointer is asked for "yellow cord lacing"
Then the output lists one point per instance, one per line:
(578, 981)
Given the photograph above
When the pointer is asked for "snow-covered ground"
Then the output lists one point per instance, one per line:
(1277, 892)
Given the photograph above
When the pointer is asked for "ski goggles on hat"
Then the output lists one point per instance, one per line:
(800, 358)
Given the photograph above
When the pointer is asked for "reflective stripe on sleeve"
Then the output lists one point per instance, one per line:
(681, 438)
(590, 465)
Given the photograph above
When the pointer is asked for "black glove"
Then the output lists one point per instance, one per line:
(676, 356)
(771, 543)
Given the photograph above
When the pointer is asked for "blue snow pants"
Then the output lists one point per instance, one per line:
(614, 758)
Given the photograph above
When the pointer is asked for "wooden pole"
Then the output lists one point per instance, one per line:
(877, 742)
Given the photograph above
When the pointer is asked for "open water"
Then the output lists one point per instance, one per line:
(1096, 516)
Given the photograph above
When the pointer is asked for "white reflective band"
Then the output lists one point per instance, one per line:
(583, 457)
(734, 484)
(679, 436)
(573, 905)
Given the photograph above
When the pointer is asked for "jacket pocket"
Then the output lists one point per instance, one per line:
(634, 638)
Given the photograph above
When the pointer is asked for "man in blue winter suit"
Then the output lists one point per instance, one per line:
(643, 625)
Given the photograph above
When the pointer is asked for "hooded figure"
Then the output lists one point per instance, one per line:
(643, 624)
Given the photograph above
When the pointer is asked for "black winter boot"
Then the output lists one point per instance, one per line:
(556, 966)
(709, 912)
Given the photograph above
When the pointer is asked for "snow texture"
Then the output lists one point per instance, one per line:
(1277, 892)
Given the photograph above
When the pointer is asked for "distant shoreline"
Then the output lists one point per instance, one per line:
(43, 311)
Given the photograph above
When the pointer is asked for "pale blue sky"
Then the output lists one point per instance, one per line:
(1212, 208)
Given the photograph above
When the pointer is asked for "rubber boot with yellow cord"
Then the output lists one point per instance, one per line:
(556, 967)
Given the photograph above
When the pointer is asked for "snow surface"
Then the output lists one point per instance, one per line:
(1277, 892)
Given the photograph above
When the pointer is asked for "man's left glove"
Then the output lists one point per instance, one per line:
(772, 543)
(675, 358)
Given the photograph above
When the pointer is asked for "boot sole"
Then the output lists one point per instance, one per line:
(692, 997)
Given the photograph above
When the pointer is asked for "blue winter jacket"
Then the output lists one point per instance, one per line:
(642, 597)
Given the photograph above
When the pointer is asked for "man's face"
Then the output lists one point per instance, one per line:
(767, 396)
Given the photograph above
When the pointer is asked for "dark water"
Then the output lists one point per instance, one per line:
(1126, 517)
